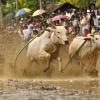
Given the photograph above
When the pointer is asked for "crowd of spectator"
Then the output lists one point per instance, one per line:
(77, 22)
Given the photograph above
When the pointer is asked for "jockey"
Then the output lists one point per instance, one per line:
(86, 32)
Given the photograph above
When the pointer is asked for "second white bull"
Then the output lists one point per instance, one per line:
(88, 54)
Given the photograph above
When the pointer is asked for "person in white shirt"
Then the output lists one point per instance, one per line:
(95, 20)
(26, 32)
(68, 14)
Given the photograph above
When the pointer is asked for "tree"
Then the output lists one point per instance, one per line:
(98, 3)
(80, 3)
(3, 1)
(43, 3)
(1, 15)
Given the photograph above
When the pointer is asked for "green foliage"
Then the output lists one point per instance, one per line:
(3, 1)
(81, 3)
(32, 4)
(98, 3)
(10, 5)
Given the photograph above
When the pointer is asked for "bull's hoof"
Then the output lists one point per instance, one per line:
(46, 69)
(62, 71)
(94, 73)
(67, 42)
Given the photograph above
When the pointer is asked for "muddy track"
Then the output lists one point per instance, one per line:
(11, 44)
(52, 85)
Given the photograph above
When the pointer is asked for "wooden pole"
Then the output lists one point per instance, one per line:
(40, 3)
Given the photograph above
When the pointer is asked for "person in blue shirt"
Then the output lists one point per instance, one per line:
(98, 25)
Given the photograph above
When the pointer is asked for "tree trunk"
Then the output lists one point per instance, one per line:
(40, 3)
(16, 6)
(1, 16)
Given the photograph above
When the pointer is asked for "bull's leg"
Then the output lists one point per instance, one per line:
(46, 57)
(47, 64)
(59, 64)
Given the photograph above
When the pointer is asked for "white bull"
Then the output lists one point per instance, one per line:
(88, 53)
(42, 47)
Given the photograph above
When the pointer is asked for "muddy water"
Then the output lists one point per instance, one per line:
(71, 89)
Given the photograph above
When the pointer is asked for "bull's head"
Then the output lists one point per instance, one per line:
(59, 34)
(94, 42)
(97, 40)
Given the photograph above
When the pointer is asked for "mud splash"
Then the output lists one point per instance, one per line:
(11, 44)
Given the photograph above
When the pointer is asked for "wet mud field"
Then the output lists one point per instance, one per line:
(52, 85)
(49, 90)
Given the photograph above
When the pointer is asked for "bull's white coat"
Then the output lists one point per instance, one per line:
(42, 47)
(88, 48)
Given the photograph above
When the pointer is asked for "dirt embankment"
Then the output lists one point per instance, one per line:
(11, 44)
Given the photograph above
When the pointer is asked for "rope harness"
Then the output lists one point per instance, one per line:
(22, 50)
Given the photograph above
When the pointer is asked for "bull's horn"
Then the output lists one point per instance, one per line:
(53, 25)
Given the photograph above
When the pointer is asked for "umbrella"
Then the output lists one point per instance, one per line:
(38, 12)
(27, 10)
(23, 11)
(20, 13)
(58, 17)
